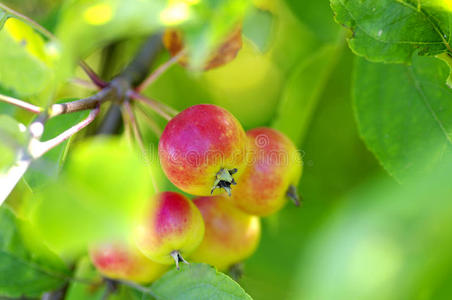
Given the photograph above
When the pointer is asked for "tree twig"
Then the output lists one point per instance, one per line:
(92, 102)
(116, 92)
(38, 148)
(22, 104)
(9, 180)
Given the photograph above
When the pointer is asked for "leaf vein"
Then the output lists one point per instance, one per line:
(427, 104)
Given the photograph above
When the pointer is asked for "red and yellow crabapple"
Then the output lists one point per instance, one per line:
(122, 261)
(201, 148)
(231, 235)
(273, 171)
(224, 53)
(172, 228)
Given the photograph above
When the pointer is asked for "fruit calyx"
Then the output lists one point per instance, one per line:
(293, 195)
(224, 180)
(178, 258)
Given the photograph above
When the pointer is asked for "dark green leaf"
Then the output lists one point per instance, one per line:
(197, 282)
(26, 266)
(391, 31)
(404, 110)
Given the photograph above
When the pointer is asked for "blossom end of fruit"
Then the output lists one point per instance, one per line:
(178, 258)
(224, 180)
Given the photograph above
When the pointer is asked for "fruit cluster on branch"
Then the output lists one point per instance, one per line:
(198, 149)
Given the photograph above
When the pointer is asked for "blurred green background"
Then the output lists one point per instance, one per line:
(359, 234)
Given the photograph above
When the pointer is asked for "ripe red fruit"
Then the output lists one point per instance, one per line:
(224, 53)
(231, 235)
(201, 148)
(171, 229)
(120, 261)
(273, 171)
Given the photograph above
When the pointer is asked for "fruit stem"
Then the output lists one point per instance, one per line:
(130, 116)
(83, 83)
(150, 122)
(159, 71)
(224, 180)
(158, 107)
(178, 258)
(293, 195)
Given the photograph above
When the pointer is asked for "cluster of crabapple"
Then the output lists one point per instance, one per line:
(235, 176)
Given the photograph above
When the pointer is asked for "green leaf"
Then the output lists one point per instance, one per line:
(6, 108)
(26, 267)
(47, 167)
(26, 60)
(100, 194)
(317, 16)
(3, 17)
(391, 31)
(384, 241)
(404, 110)
(82, 290)
(12, 138)
(197, 282)
(303, 89)
(87, 25)
(257, 27)
(211, 22)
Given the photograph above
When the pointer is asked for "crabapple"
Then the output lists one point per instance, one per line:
(123, 261)
(201, 148)
(231, 235)
(172, 227)
(224, 53)
(271, 175)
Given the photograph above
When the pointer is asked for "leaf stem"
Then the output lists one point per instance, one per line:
(22, 104)
(159, 71)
